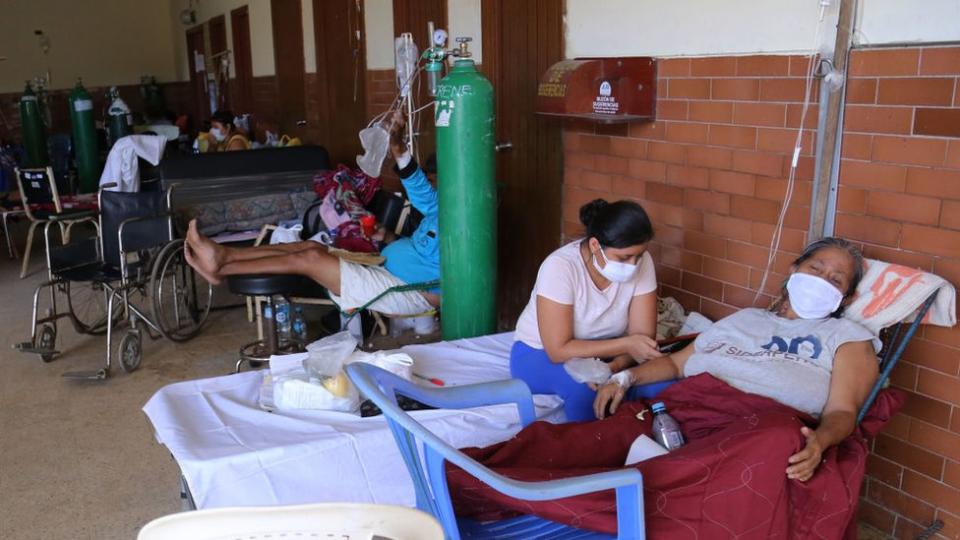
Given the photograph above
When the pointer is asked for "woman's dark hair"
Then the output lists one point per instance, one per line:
(839, 243)
(618, 224)
(224, 117)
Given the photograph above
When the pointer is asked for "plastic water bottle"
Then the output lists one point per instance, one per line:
(299, 325)
(666, 430)
(283, 320)
(269, 330)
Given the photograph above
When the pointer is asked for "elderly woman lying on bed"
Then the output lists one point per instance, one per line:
(764, 394)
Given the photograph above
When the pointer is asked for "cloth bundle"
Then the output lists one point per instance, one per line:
(890, 293)
(342, 195)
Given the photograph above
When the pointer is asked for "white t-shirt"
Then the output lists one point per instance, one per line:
(787, 360)
(597, 314)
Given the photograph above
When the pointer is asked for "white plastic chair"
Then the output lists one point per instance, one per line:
(343, 521)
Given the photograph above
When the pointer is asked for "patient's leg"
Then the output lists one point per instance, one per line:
(315, 263)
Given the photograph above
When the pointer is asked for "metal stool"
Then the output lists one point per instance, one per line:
(257, 352)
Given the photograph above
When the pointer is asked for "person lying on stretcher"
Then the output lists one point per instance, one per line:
(799, 352)
(351, 285)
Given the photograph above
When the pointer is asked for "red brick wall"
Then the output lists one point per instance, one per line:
(900, 196)
(711, 172)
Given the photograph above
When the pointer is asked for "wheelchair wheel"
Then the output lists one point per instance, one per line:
(87, 301)
(130, 351)
(46, 341)
(181, 297)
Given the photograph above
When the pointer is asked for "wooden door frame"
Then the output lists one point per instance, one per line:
(243, 101)
(220, 22)
(201, 105)
(290, 129)
(323, 75)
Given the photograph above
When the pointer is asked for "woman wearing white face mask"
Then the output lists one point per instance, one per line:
(594, 297)
(798, 352)
(225, 133)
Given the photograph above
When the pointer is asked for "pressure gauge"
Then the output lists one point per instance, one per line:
(439, 37)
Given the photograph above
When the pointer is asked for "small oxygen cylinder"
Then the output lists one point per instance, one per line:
(119, 119)
(465, 180)
(84, 139)
(33, 133)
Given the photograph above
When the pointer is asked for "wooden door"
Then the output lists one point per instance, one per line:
(341, 76)
(288, 57)
(412, 16)
(242, 99)
(520, 41)
(198, 89)
(217, 27)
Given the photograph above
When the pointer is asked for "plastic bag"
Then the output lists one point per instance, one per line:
(375, 141)
(296, 392)
(286, 235)
(400, 364)
(325, 357)
(588, 370)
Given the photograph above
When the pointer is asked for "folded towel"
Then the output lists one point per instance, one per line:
(890, 293)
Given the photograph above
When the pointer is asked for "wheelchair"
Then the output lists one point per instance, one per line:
(135, 254)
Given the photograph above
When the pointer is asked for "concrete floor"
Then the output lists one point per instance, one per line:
(78, 458)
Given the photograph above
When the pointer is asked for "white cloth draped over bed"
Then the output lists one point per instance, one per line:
(233, 453)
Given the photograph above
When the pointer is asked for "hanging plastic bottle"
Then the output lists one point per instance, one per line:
(666, 430)
(299, 325)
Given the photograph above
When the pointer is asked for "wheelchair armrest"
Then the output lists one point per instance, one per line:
(73, 216)
(125, 223)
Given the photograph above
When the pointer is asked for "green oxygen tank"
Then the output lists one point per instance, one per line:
(33, 133)
(465, 179)
(84, 139)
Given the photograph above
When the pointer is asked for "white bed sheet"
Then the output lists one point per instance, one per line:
(233, 453)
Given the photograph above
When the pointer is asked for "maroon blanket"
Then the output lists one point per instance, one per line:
(728, 481)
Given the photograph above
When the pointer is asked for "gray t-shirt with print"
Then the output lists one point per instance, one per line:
(789, 361)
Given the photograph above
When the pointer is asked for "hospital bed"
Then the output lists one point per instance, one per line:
(231, 452)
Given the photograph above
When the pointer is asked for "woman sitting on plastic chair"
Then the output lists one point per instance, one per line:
(351, 285)
(749, 385)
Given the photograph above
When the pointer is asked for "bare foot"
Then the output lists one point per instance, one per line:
(192, 261)
(206, 252)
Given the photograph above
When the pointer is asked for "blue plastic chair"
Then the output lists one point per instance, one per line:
(429, 476)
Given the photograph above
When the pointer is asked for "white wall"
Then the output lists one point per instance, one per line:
(261, 32)
(378, 23)
(463, 18)
(907, 21)
(105, 42)
(712, 27)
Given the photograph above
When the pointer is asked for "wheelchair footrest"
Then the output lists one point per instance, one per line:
(99, 375)
(27, 347)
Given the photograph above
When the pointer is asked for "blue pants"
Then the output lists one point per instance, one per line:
(534, 367)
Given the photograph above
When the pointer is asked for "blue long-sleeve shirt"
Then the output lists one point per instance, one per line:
(417, 259)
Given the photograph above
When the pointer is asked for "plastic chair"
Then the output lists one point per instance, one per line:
(327, 520)
(41, 203)
(429, 476)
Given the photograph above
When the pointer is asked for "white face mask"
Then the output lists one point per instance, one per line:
(812, 297)
(614, 270)
(217, 135)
